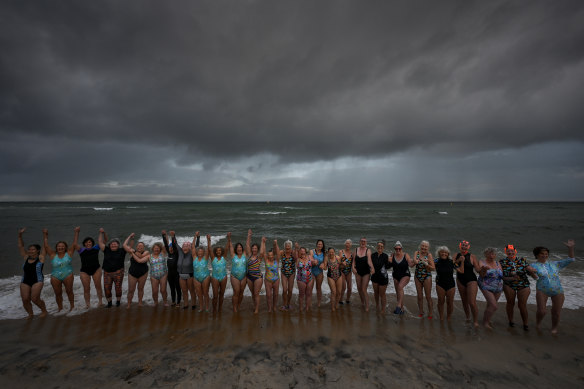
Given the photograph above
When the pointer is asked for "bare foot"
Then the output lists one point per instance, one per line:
(43, 314)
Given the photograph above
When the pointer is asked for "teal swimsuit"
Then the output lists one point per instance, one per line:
(219, 268)
(61, 267)
(239, 267)
(201, 269)
(548, 280)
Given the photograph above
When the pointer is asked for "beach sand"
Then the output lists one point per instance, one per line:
(171, 347)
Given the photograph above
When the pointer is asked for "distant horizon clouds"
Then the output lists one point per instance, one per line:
(302, 101)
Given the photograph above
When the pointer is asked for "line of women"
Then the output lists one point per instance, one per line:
(190, 270)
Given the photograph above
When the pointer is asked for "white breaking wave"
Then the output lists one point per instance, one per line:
(149, 240)
(102, 209)
(270, 212)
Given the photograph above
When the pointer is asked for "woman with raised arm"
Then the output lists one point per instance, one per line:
(304, 279)
(363, 269)
(113, 266)
(380, 279)
(185, 269)
(202, 276)
(467, 282)
(318, 255)
(254, 274)
(346, 255)
(548, 283)
(138, 272)
(287, 271)
(272, 282)
(31, 284)
(62, 271)
(445, 284)
(515, 284)
(219, 277)
(238, 272)
(332, 263)
(90, 269)
(490, 283)
(158, 273)
(173, 277)
(401, 263)
(423, 275)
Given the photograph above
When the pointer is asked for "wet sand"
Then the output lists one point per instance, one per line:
(170, 347)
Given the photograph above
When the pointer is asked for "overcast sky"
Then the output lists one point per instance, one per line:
(292, 100)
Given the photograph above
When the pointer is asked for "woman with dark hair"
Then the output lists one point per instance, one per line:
(138, 271)
(401, 263)
(515, 284)
(318, 255)
(31, 284)
(304, 279)
(173, 277)
(380, 279)
(490, 283)
(158, 273)
(287, 272)
(347, 269)
(548, 283)
(219, 276)
(254, 275)
(467, 282)
(90, 269)
(238, 272)
(113, 266)
(62, 271)
(363, 269)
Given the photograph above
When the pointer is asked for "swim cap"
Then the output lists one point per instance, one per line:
(397, 244)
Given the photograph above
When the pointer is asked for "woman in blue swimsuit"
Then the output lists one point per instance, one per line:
(317, 272)
(238, 272)
(31, 284)
(62, 271)
(201, 275)
(219, 276)
(272, 279)
(548, 283)
(490, 283)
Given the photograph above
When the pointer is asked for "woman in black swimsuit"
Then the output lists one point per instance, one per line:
(90, 269)
(31, 284)
(138, 272)
(363, 269)
(467, 282)
(445, 285)
(401, 263)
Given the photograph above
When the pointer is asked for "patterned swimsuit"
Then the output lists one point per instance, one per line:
(158, 267)
(253, 268)
(549, 279)
(348, 263)
(288, 266)
(304, 272)
(517, 266)
(421, 272)
(492, 281)
(272, 271)
(334, 270)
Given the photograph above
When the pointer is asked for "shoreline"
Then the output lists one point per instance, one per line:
(163, 346)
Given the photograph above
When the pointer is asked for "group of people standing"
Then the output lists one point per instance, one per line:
(191, 269)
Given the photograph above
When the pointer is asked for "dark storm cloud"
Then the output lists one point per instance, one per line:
(301, 80)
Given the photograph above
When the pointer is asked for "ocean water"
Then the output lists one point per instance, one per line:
(525, 225)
